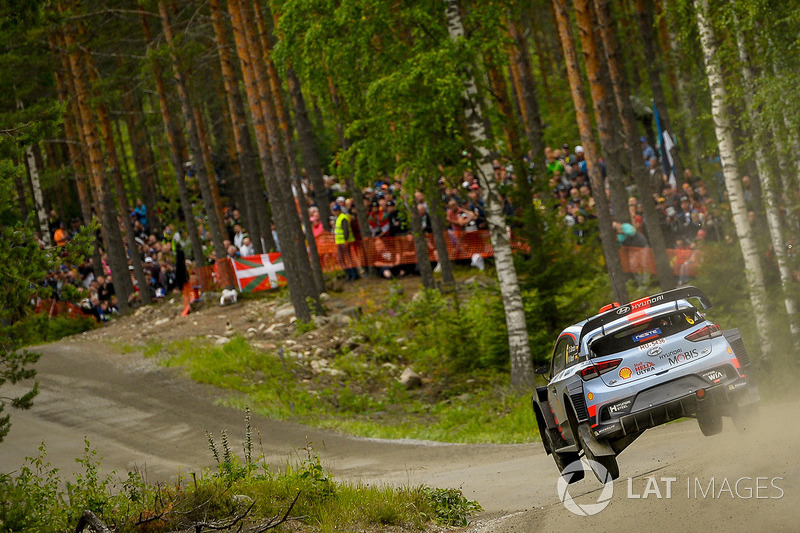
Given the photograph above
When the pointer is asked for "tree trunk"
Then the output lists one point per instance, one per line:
(518, 343)
(529, 104)
(601, 102)
(420, 243)
(112, 161)
(36, 186)
(644, 17)
(145, 168)
(727, 152)
(436, 212)
(112, 238)
(284, 122)
(607, 234)
(241, 133)
(666, 279)
(196, 149)
(211, 174)
(74, 130)
(308, 146)
(254, 86)
(769, 186)
(174, 140)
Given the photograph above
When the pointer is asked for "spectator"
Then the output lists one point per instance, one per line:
(342, 237)
(247, 247)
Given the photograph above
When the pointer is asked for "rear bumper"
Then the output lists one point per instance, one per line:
(726, 397)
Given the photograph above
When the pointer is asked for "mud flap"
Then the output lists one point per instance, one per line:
(597, 447)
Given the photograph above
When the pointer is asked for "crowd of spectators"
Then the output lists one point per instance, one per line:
(687, 213)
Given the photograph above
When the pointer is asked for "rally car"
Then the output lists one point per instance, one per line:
(636, 366)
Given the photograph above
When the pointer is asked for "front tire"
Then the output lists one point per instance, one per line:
(604, 467)
(710, 422)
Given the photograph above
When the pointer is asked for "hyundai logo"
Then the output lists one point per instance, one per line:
(623, 310)
(654, 351)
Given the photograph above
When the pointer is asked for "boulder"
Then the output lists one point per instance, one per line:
(410, 379)
(340, 320)
(320, 320)
(283, 312)
(352, 311)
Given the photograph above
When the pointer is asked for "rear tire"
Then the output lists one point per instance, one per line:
(710, 422)
(563, 460)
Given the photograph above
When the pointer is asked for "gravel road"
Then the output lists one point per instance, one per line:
(137, 414)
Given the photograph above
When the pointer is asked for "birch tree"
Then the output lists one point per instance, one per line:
(769, 187)
(730, 171)
(521, 365)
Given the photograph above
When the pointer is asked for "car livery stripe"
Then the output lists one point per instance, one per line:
(568, 334)
(592, 411)
(735, 362)
(638, 316)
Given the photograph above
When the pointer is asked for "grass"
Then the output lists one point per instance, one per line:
(35, 499)
(366, 401)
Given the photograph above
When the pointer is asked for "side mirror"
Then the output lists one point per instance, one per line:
(542, 370)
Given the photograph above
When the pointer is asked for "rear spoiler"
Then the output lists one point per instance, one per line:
(684, 293)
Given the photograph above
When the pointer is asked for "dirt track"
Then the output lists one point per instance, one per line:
(139, 414)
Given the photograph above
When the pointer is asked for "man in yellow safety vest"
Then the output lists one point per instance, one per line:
(343, 236)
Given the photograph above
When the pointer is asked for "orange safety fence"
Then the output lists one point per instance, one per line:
(394, 251)
(53, 307)
(684, 261)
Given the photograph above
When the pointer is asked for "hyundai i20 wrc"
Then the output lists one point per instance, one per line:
(636, 366)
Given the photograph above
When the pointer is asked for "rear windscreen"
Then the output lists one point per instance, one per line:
(645, 332)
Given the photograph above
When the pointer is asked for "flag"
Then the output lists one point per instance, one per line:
(259, 272)
(666, 145)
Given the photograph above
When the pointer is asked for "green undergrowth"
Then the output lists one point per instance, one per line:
(456, 342)
(237, 493)
(39, 328)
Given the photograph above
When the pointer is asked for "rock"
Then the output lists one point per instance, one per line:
(273, 329)
(352, 311)
(266, 346)
(410, 379)
(293, 319)
(161, 321)
(251, 332)
(391, 367)
(320, 320)
(337, 304)
(340, 320)
(290, 342)
(217, 339)
(228, 329)
(319, 352)
(283, 312)
(261, 326)
(318, 364)
(324, 297)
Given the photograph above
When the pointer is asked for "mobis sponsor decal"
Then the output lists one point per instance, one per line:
(643, 368)
(682, 357)
(646, 335)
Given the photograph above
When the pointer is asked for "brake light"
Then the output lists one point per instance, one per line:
(599, 368)
(709, 332)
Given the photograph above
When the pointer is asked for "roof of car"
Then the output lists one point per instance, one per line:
(640, 306)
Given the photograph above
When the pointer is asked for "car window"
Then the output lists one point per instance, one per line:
(565, 354)
(655, 328)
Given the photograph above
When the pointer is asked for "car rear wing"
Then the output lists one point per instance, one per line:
(684, 293)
